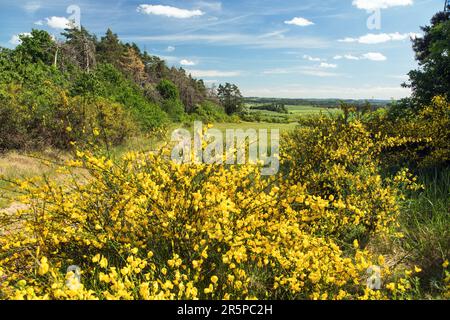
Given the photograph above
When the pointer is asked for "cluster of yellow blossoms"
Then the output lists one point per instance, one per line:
(148, 228)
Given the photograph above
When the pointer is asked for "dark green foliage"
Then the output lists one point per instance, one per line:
(210, 112)
(110, 49)
(231, 98)
(433, 55)
(38, 47)
(107, 82)
(274, 107)
(168, 90)
(175, 109)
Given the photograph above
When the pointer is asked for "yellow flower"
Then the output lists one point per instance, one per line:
(214, 279)
(104, 263)
(391, 286)
(21, 283)
(417, 269)
(445, 264)
(43, 266)
(124, 271)
(210, 289)
(205, 253)
(96, 258)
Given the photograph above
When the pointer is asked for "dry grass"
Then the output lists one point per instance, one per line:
(15, 165)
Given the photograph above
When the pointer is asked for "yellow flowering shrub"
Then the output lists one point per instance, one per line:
(148, 228)
(425, 136)
(337, 163)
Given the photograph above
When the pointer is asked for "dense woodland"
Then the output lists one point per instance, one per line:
(88, 89)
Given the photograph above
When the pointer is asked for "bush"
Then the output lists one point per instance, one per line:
(425, 135)
(168, 90)
(338, 162)
(175, 109)
(53, 118)
(210, 112)
(228, 234)
(99, 122)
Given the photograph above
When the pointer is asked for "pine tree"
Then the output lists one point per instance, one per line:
(110, 49)
(132, 66)
(80, 48)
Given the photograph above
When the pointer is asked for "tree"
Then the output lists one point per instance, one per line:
(39, 46)
(110, 49)
(231, 98)
(191, 91)
(433, 55)
(155, 67)
(132, 66)
(79, 48)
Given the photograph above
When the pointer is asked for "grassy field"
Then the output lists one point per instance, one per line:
(295, 112)
(310, 110)
(283, 127)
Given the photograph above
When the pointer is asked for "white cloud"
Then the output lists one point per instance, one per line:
(32, 7)
(399, 77)
(380, 4)
(170, 49)
(58, 22)
(372, 38)
(346, 56)
(299, 21)
(214, 73)
(186, 62)
(15, 39)
(328, 65)
(236, 39)
(350, 57)
(374, 56)
(309, 58)
(278, 71)
(210, 81)
(309, 71)
(318, 73)
(324, 92)
(39, 23)
(168, 11)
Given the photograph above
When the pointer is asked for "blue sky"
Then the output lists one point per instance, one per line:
(289, 48)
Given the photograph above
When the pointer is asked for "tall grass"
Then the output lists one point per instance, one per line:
(425, 222)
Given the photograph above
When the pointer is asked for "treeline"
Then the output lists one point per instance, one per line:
(89, 90)
(274, 107)
(320, 103)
